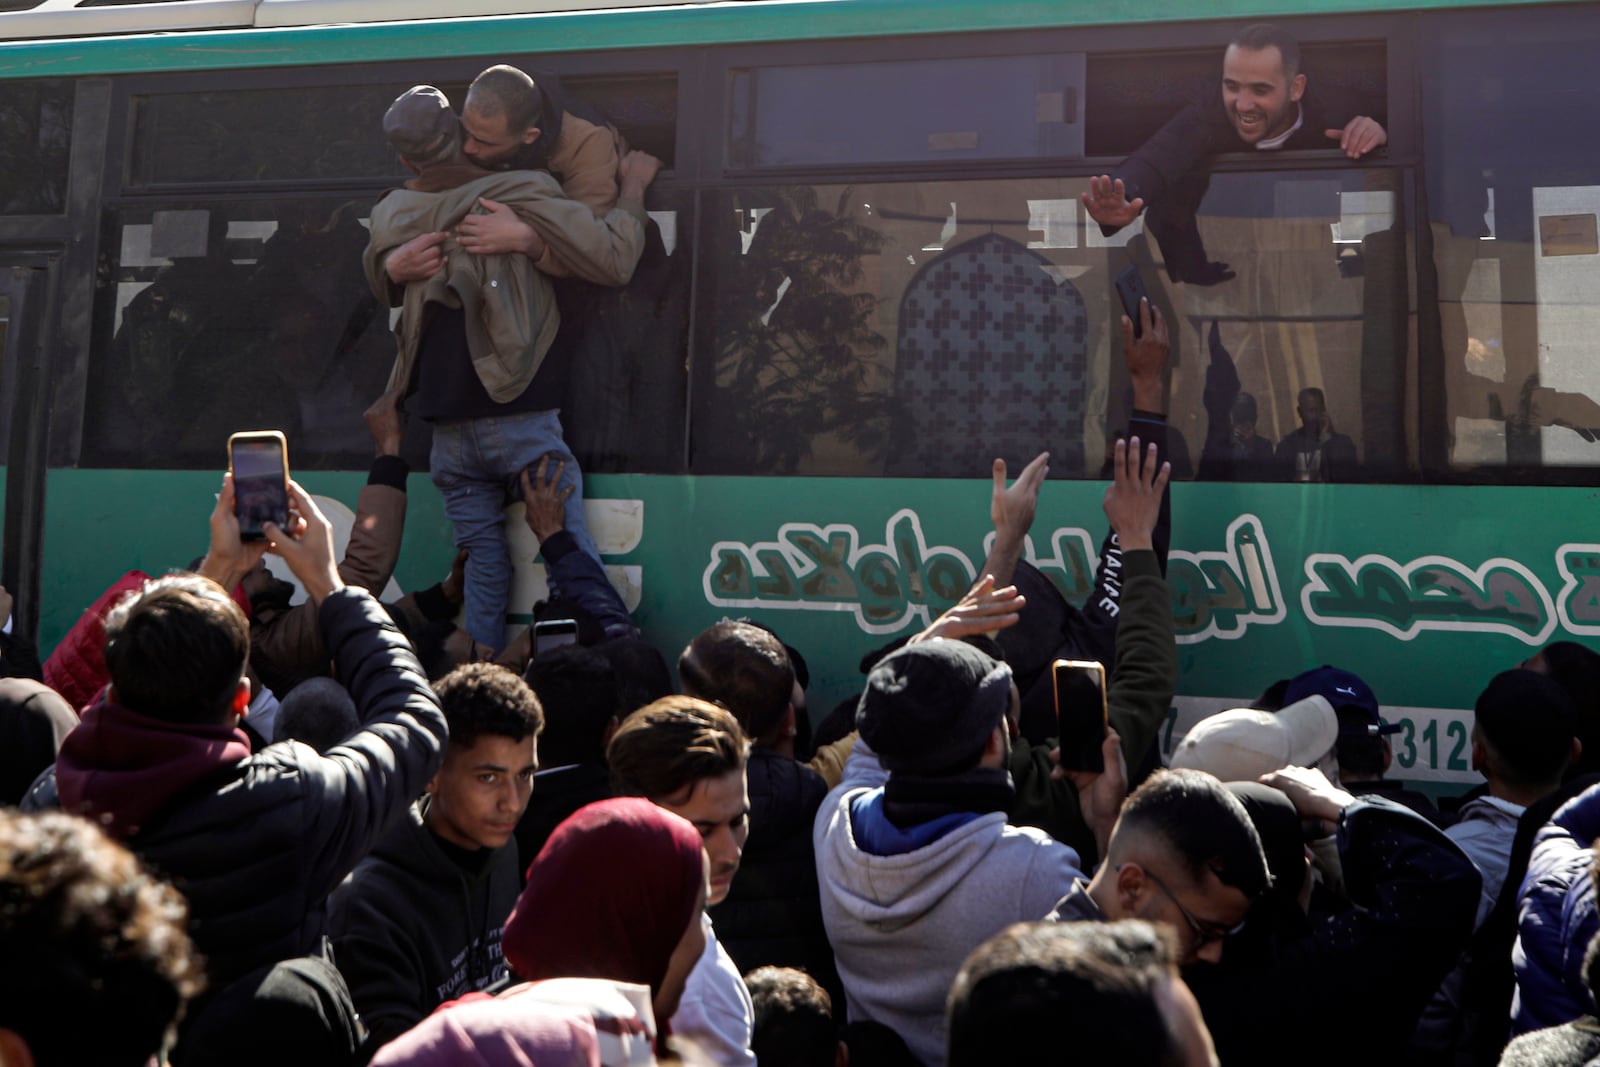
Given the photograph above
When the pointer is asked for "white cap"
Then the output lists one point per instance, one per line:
(1243, 744)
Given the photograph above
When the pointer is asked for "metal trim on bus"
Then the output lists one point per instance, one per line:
(65, 18)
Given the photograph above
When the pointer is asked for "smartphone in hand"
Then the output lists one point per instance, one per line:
(553, 633)
(259, 460)
(1081, 713)
(1130, 290)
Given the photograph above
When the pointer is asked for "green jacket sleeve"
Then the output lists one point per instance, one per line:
(1145, 676)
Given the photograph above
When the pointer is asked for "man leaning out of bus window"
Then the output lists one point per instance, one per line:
(1266, 104)
(496, 314)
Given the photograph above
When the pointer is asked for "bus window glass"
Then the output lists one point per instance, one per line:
(262, 135)
(1010, 107)
(257, 314)
(1513, 198)
(35, 138)
(920, 330)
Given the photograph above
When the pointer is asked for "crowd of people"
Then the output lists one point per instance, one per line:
(238, 829)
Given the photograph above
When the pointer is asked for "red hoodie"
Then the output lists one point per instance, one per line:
(121, 769)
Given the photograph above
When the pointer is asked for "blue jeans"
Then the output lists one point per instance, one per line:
(476, 465)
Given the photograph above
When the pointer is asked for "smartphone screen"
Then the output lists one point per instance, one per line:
(1130, 289)
(260, 482)
(1080, 687)
(553, 633)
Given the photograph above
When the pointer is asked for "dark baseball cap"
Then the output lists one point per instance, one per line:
(1342, 689)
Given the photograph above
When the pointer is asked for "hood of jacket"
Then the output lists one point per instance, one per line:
(121, 769)
(890, 892)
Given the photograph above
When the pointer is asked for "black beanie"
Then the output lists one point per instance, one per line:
(930, 707)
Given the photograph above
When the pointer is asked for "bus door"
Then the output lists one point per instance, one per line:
(23, 287)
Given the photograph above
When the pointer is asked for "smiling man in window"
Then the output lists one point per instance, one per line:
(419, 921)
(1267, 103)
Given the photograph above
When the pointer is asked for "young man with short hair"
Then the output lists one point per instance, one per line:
(419, 921)
(689, 757)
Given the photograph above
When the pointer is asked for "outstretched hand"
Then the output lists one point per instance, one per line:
(1107, 202)
(307, 545)
(1146, 356)
(228, 556)
(983, 610)
(1012, 510)
(1133, 501)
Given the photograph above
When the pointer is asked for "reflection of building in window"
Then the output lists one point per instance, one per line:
(992, 361)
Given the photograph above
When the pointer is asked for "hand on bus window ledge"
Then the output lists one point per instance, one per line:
(1012, 511)
(228, 558)
(417, 260)
(1359, 136)
(1146, 357)
(385, 423)
(1133, 502)
(498, 231)
(983, 610)
(544, 500)
(636, 171)
(307, 546)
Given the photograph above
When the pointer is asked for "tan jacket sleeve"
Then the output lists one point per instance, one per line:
(603, 249)
(830, 759)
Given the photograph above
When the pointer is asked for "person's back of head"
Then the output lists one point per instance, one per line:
(641, 671)
(421, 127)
(1523, 736)
(177, 651)
(34, 720)
(664, 748)
(318, 711)
(744, 668)
(578, 691)
(1067, 993)
(1363, 753)
(794, 1019)
(1576, 669)
(504, 91)
(930, 709)
(97, 963)
(1192, 816)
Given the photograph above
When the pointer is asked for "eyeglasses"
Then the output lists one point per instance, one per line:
(1204, 932)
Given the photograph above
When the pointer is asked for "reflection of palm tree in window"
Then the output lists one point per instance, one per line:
(796, 350)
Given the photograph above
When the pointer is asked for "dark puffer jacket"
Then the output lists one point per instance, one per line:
(772, 915)
(258, 843)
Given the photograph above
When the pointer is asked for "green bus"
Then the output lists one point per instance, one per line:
(870, 275)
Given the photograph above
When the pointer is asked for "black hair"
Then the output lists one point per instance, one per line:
(743, 668)
(319, 712)
(1022, 992)
(643, 676)
(1576, 668)
(794, 1019)
(1263, 35)
(1203, 825)
(1358, 749)
(487, 699)
(578, 692)
(177, 649)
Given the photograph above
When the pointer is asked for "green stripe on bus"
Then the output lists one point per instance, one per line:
(588, 31)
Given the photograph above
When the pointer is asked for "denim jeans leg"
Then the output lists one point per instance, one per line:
(474, 502)
(519, 442)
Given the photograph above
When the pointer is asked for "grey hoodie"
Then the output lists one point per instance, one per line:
(902, 925)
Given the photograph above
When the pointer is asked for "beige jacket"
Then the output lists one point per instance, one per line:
(510, 306)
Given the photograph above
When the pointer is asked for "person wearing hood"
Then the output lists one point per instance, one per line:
(420, 920)
(256, 841)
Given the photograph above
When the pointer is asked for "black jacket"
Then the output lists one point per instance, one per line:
(1350, 987)
(412, 929)
(557, 794)
(772, 914)
(258, 847)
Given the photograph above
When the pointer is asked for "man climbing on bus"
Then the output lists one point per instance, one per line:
(474, 330)
(1266, 105)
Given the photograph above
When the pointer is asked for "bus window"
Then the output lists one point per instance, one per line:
(263, 135)
(922, 329)
(1513, 195)
(35, 135)
(1011, 107)
(227, 316)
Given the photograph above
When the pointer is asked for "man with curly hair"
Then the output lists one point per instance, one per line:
(83, 928)
(419, 921)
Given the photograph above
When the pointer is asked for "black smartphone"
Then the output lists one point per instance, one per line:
(553, 633)
(1081, 713)
(259, 460)
(1130, 289)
